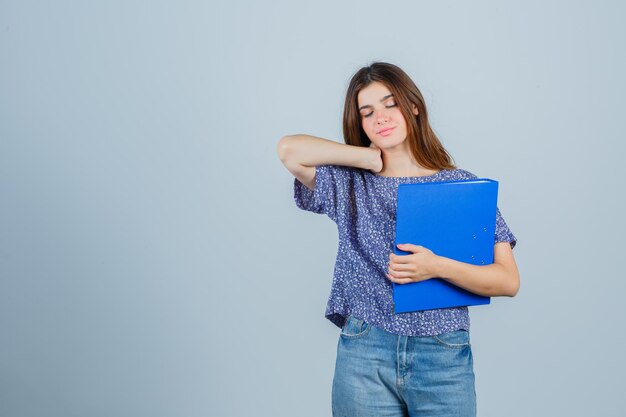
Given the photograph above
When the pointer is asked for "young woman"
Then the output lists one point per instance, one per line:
(418, 363)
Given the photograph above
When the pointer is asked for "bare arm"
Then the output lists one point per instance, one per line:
(498, 279)
(302, 153)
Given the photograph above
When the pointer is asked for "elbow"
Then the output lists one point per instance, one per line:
(514, 287)
(283, 147)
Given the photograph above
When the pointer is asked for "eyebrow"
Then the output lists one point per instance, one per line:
(381, 100)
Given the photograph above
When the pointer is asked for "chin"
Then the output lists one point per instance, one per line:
(391, 144)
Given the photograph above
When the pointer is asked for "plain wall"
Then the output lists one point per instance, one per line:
(153, 261)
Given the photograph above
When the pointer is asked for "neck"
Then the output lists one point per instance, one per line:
(399, 162)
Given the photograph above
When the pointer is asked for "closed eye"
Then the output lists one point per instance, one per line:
(369, 114)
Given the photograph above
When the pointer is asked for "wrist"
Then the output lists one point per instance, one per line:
(439, 266)
(370, 159)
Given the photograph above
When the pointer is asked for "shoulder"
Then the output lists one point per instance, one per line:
(338, 168)
(337, 172)
(460, 174)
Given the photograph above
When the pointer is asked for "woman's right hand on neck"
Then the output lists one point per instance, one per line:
(375, 162)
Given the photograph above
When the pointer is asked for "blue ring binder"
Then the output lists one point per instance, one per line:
(455, 219)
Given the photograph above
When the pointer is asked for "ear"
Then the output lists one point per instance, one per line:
(415, 112)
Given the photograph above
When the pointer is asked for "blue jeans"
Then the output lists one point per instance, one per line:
(381, 374)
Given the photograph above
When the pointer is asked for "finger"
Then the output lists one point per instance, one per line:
(399, 280)
(404, 273)
(400, 259)
(409, 247)
(400, 267)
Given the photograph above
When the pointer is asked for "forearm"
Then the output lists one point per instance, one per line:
(313, 151)
(491, 280)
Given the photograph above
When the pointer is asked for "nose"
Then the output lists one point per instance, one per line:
(382, 116)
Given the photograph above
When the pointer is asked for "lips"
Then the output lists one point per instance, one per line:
(386, 131)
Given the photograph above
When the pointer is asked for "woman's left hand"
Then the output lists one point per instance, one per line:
(420, 265)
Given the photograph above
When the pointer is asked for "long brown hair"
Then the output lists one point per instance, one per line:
(423, 143)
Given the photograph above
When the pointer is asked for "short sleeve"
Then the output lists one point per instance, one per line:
(331, 186)
(503, 233)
